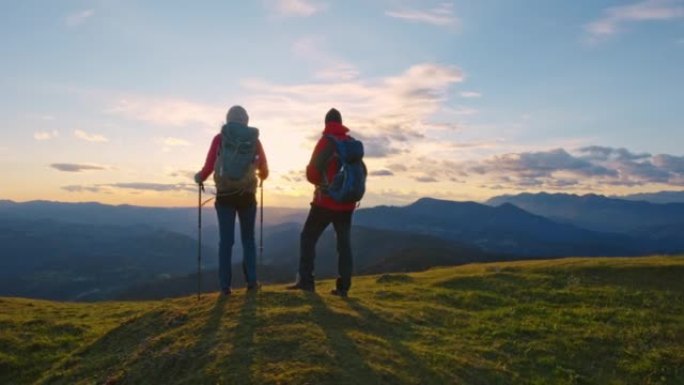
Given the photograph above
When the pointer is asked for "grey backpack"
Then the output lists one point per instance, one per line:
(235, 169)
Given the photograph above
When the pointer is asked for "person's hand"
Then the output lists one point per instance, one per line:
(198, 178)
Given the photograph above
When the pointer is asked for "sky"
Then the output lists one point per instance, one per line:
(117, 101)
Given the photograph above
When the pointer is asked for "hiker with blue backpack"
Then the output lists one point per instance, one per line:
(237, 159)
(337, 170)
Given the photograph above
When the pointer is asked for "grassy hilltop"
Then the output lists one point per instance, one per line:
(571, 321)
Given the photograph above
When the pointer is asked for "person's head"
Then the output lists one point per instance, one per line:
(333, 116)
(237, 114)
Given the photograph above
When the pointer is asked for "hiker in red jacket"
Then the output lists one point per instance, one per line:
(324, 210)
(235, 175)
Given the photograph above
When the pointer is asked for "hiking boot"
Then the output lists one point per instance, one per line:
(339, 293)
(301, 286)
(226, 292)
(253, 287)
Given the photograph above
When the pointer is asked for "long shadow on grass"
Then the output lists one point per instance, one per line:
(346, 354)
(170, 367)
(382, 327)
(112, 353)
(240, 361)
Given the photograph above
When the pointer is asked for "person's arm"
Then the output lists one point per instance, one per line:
(262, 163)
(319, 159)
(209, 163)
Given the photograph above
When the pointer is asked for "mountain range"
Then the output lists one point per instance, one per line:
(91, 251)
(597, 212)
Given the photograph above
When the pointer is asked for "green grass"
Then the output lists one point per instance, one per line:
(570, 321)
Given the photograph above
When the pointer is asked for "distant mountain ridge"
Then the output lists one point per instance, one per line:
(502, 229)
(182, 220)
(597, 212)
(658, 197)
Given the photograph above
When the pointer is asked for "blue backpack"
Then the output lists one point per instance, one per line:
(349, 184)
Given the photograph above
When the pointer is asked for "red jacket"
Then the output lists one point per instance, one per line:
(323, 160)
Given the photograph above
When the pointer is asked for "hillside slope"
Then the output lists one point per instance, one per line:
(570, 321)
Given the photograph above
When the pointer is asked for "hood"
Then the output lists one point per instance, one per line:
(337, 129)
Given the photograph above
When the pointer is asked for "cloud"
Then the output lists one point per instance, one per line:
(313, 49)
(441, 16)
(377, 146)
(381, 173)
(477, 144)
(45, 135)
(390, 114)
(649, 10)
(601, 153)
(96, 138)
(589, 168)
(463, 111)
(157, 187)
(339, 71)
(294, 8)
(294, 176)
(470, 94)
(532, 165)
(148, 187)
(174, 142)
(81, 189)
(425, 179)
(164, 111)
(74, 167)
(186, 174)
(77, 18)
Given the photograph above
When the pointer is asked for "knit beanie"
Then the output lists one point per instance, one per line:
(237, 114)
(333, 116)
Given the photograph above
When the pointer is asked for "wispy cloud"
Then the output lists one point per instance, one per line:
(389, 113)
(77, 18)
(164, 111)
(81, 189)
(649, 10)
(381, 173)
(470, 94)
(145, 187)
(95, 138)
(45, 135)
(75, 167)
(313, 49)
(158, 187)
(174, 142)
(294, 8)
(425, 179)
(442, 15)
(186, 174)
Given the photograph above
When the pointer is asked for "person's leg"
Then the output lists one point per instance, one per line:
(226, 222)
(247, 217)
(345, 264)
(316, 222)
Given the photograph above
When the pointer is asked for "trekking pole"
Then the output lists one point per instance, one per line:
(261, 227)
(199, 243)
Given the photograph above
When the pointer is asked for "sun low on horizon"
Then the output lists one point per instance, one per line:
(118, 101)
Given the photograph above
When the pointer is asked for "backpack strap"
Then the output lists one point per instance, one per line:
(323, 159)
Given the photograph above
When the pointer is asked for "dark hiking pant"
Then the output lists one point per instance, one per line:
(226, 219)
(318, 220)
